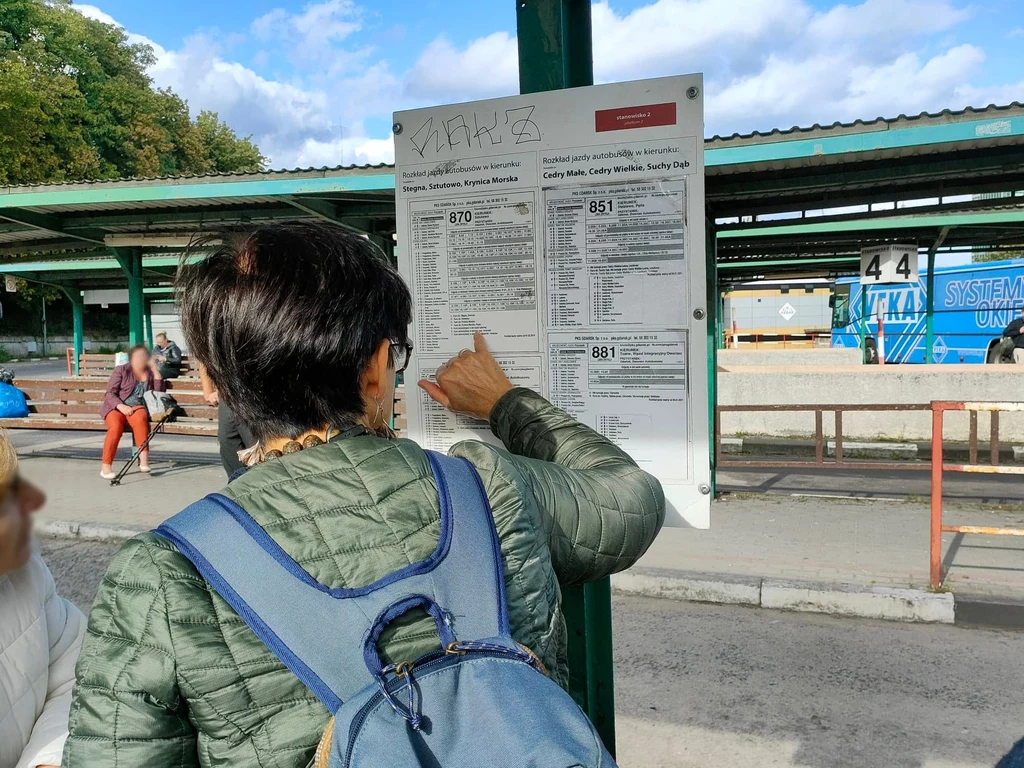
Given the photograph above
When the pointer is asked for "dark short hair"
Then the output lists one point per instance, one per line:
(286, 317)
(138, 348)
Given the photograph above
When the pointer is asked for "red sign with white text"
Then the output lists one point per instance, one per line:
(646, 116)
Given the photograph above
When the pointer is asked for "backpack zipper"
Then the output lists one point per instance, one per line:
(437, 659)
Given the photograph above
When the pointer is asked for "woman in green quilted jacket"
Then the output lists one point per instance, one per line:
(303, 327)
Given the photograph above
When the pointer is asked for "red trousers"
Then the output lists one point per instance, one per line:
(116, 422)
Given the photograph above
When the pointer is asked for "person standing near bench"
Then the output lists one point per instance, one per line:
(232, 437)
(168, 357)
(123, 405)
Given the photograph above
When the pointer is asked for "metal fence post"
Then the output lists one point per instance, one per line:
(935, 570)
(555, 51)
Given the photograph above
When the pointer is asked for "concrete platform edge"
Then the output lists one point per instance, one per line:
(71, 529)
(915, 605)
(836, 599)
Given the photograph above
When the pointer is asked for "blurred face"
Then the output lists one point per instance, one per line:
(19, 500)
(161, 341)
(140, 360)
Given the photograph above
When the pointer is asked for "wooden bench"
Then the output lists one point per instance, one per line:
(92, 364)
(74, 403)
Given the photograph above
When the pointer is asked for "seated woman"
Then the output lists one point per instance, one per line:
(303, 328)
(123, 405)
(40, 634)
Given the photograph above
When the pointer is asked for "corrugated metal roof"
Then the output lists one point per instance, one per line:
(149, 205)
(23, 235)
(993, 111)
(1013, 109)
(338, 170)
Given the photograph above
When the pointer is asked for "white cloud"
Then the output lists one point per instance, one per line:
(92, 12)
(675, 36)
(314, 34)
(781, 94)
(767, 64)
(488, 66)
(294, 123)
(355, 151)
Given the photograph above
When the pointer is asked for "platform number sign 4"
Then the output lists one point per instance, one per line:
(885, 264)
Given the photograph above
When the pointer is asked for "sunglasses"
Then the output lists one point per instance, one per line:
(407, 347)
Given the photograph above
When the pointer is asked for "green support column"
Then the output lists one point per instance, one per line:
(556, 51)
(149, 323)
(130, 260)
(78, 325)
(863, 322)
(929, 299)
(713, 299)
(720, 321)
(929, 308)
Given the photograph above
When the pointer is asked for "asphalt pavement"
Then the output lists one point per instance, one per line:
(38, 369)
(706, 686)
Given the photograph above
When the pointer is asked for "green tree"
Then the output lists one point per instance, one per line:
(76, 103)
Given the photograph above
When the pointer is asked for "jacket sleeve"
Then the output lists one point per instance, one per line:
(173, 354)
(113, 397)
(65, 626)
(600, 511)
(127, 709)
(159, 385)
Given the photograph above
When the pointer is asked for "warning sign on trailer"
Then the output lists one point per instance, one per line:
(568, 227)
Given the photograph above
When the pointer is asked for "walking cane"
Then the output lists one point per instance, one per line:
(138, 452)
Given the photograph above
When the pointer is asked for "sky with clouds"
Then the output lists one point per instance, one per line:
(315, 83)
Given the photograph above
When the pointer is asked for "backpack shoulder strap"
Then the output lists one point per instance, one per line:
(298, 623)
(470, 583)
(327, 636)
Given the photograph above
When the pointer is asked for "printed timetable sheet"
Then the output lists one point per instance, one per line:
(568, 227)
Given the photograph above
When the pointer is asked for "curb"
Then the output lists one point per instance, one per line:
(986, 611)
(892, 604)
(69, 529)
(835, 599)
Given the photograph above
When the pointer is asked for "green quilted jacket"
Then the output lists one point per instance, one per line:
(170, 676)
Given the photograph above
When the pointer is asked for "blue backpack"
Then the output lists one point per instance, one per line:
(480, 700)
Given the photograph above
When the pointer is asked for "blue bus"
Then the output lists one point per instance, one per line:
(973, 304)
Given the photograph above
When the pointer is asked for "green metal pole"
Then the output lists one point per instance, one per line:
(556, 51)
(713, 299)
(78, 320)
(149, 324)
(130, 260)
(929, 308)
(863, 322)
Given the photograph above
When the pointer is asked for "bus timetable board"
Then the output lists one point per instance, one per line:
(568, 227)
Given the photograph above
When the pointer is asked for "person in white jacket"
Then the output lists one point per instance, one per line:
(40, 633)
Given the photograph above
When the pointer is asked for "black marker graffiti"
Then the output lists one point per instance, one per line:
(423, 136)
(523, 127)
(490, 131)
(487, 131)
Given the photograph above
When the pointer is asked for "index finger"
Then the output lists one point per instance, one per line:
(479, 342)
